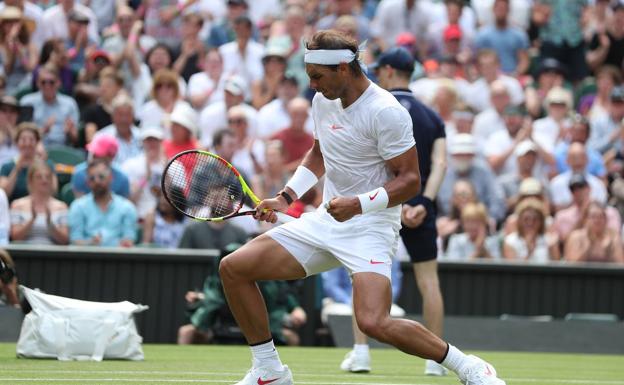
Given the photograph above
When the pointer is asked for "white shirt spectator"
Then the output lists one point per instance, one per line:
(136, 170)
(519, 12)
(393, 18)
(200, 83)
(259, 10)
(561, 195)
(214, 117)
(435, 30)
(546, 132)
(55, 22)
(127, 149)
(498, 143)
(248, 67)
(485, 124)
(274, 116)
(479, 93)
(150, 114)
(35, 13)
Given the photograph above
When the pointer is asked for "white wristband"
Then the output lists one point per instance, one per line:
(302, 180)
(374, 200)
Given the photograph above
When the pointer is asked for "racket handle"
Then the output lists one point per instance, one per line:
(284, 218)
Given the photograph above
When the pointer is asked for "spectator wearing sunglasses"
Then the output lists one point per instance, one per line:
(101, 217)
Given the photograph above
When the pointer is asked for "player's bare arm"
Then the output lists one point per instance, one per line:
(404, 185)
(312, 161)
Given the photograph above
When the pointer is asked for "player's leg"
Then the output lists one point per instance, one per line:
(261, 259)
(371, 303)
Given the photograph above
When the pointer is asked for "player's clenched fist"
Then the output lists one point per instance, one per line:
(343, 208)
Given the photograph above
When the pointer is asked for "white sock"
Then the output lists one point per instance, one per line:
(265, 355)
(455, 359)
(360, 349)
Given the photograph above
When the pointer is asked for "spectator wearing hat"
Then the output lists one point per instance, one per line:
(18, 54)
(572, 217)
(87, 91)
(98, 115)
(275, 115)
(454, 20)
(13, 173)
(145, 171)
(393, 17)
(607, 44)
(594, 241)
(579, 132)
(77, 41)
(577, 161)
(463, 165)
(531, 241)
(474, 242)
(101, 147)
(549, 130)
(550, 74)
(510, 43)
(294, 138)
(31, 11)
(454, 45)
(183, 131)
(101, 217)
(10, 111)
(528, 187)
(264, 90)
(243, 56)
(123, 129)
(192, 49)
(488, 66)
(214, 116)
(55, 113)
(56, 20)
(606, 129)
(206, 87)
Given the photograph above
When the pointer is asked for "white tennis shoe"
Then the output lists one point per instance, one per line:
(432, 368)
(479, 372)
(266, 376)
(356, 363)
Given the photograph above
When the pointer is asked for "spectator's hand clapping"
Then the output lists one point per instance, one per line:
(413, 216)
(298, 317)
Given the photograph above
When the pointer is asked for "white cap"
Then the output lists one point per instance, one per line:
(235, 85)
(185, 116)
(524, 147)
(559, 95)
(152, 132)
(530, 186)
(462, 144)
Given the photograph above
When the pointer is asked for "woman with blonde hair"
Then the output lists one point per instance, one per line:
(594, 242)
(39, 218)
(530, 242)
(474, 242)
(165, 95)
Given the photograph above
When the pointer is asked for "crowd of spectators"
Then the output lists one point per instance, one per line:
(530, 91)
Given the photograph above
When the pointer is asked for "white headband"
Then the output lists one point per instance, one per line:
(331, 56)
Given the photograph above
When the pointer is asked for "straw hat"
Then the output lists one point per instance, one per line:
(14, 13)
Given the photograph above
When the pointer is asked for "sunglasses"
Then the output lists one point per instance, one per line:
(164, 85)
(100, 177)
(237, 121)
(47, 82)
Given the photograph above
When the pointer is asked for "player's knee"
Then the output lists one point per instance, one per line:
(228, 269)
(371, 326)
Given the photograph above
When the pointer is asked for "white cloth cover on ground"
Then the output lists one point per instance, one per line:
(71, 329)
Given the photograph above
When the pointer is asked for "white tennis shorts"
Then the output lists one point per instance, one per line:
(320, 243)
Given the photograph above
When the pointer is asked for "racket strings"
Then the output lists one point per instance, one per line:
(203, 186)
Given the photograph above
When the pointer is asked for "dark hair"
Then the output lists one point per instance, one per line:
(218, 137)
(243, 19)
(331, 39)
(46, 50)
(96, 162)
(151, 51)
(180, 199)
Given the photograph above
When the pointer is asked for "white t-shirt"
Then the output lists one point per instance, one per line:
(136, 170)
(485, 124)
(479, 96)
(54, 23)
(561, 195)
(248, 66)
(214, 118)
(392, 17)
(357, 141)
(200, 83)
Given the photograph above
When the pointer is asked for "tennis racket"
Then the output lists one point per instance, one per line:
(204, 186)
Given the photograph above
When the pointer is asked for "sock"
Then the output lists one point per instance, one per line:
(264, 354)
(455, 359)
(360, 349)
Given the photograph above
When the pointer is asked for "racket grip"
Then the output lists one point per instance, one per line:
(284, 218)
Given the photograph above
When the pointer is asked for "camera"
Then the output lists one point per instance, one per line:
(7, 273)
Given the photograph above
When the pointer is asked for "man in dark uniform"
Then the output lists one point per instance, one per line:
(393, 70)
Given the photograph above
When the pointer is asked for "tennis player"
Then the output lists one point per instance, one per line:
(365, 148)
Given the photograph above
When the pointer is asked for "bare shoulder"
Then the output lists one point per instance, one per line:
(21, 203)
(57, 205)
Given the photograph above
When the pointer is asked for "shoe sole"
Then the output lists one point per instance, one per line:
(360, 370)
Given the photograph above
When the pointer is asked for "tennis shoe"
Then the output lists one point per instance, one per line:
(267, 376)
(479, 372)
(432, 368)
(356, 363)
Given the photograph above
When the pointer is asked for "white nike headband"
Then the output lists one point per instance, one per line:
(331, 56)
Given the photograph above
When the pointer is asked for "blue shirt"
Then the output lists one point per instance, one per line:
(87, 220)
(427, 126)
(120, 184)
(62, 108)
(595, 165)
(506, 42)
